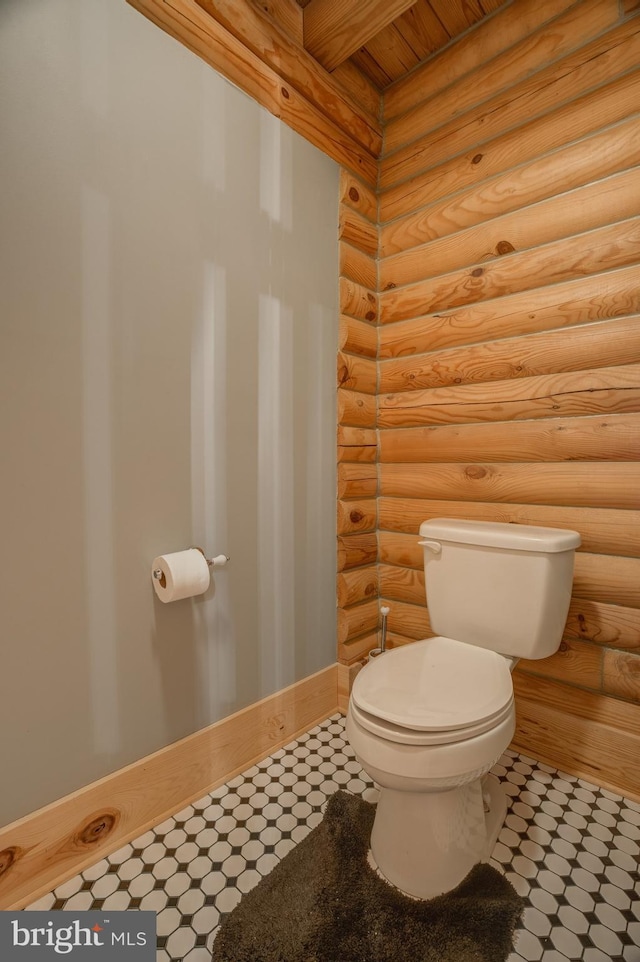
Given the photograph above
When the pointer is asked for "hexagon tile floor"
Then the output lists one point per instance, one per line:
(570, 848)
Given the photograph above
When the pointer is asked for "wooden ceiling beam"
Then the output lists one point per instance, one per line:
(256, 31)
(334, 29)
(310, 112)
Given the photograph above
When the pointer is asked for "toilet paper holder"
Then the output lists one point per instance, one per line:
(219, 561)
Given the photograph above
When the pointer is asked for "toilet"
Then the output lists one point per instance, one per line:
(427, 721)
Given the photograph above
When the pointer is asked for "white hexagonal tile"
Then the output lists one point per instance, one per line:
(528, 946)
(205, 920)
(213, 883)
(191, 901)
(606, 940)
(105, 886)
(168, 921)
(165, 868)
(573, 920)
(544, 901)
(536, 921)
(199, 867)
(181, 942)
(95, 871)
(551, 882)
(248, 880)
(141, 885)
(81, 901)
(610, 916)
(579, 898)
(177, 884)
(619, 877)
(153, 853)
(567, 943)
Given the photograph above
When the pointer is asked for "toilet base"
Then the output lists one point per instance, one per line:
(426, 843)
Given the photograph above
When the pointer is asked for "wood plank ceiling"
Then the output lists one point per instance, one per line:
(386, 39)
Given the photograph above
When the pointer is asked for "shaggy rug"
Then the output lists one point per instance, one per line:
(324, 903)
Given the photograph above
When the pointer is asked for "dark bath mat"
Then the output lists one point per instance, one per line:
(324, 903)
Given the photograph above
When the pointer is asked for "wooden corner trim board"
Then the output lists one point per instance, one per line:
(43, 849)
(316, 108)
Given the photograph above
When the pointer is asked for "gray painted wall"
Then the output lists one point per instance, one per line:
(168, 323)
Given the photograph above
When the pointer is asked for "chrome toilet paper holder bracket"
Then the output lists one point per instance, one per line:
(219, 561)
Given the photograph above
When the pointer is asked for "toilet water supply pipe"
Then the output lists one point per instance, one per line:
(384, 611)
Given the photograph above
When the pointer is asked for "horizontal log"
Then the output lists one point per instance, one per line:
(589, 735)
(613, 626)
(358, 231)
(357, 301)
(355, 650)
(402, 584)
(590, 484)
(360, 88)
(510, 25)
(358, 585)
(397, 640)
(402, 550)
(356, 409)
(357, 337)
(275, 48)
(606, 343)
(357, 620)
(355, 550)
(357, 516)
(362, 453)
(357, 481)
(611, 104)
(583, 209)
(348, 435)
(357, 266)
(357, 373)
(593, 158)
(576, 662)
(570, 393)
(599, 577)
(611, 438)
(621, 674)
(610, 531)
(412, 621)
(572, 29)
(563, 84)
(357, 195)
(188, 23)
(605, 248)
(595, 298)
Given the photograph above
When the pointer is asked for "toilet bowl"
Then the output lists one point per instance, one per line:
(427, 721)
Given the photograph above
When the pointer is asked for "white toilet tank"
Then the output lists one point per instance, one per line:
(505, 587)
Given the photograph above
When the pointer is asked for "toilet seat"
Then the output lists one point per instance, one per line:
(435, 691)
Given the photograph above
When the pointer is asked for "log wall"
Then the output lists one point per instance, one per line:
(509, 306)
(357, 588)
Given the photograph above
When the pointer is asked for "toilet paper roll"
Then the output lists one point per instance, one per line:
(184, 575)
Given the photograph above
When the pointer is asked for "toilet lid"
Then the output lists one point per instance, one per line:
(438, 684)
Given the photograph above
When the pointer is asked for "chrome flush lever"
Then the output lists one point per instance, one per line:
(434, 546)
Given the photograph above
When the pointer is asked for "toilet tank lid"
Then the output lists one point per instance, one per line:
(498, 534)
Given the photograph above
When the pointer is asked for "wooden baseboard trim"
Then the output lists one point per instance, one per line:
(586, 734)
(346, 675)
(44, 849)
